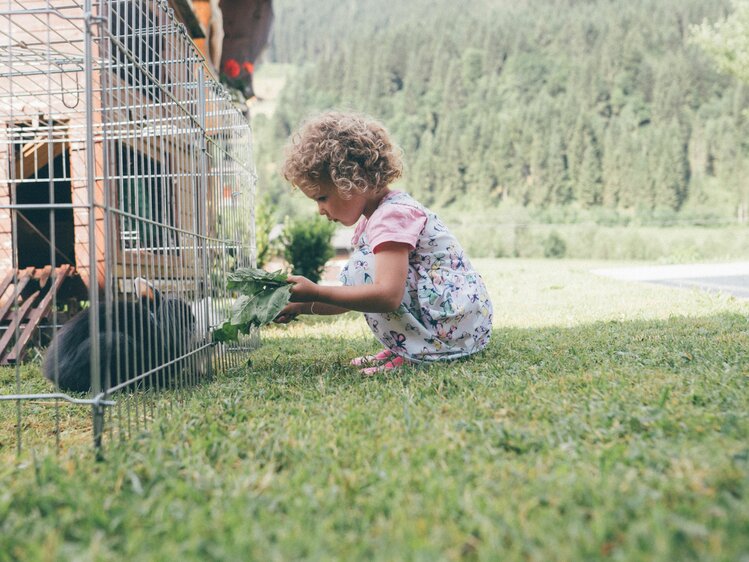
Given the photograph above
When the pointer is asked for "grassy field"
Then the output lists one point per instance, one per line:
(607, 420)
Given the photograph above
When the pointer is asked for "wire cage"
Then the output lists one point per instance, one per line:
(126, 194)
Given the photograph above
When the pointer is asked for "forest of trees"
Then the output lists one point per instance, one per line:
(567, 107)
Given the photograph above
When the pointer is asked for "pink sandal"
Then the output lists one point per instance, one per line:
(394, 363)
(365, 360)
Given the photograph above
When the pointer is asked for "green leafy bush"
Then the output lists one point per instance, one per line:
(307, 246)
(554, 246)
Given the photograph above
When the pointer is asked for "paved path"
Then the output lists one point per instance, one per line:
(732, 278)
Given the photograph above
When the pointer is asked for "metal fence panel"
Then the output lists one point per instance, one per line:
(126, 194)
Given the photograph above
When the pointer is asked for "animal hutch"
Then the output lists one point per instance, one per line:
(121, 158)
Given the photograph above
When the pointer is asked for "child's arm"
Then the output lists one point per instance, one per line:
(294, 309)
(383, 295)
(325, 309)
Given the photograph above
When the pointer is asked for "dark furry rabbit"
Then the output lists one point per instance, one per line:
(145, 334)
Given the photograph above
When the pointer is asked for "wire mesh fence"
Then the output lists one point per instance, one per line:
(126, 194)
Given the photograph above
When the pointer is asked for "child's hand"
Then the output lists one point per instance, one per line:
(302, 290)
(289, 313)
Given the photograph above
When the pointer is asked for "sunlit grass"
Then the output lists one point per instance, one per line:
(536, 293)
(606, 420)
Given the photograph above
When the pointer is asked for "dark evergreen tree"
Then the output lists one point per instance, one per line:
(542, 103)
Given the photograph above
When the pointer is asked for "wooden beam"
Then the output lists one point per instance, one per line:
(40, 311)
(35, 155)
(6, 282)
(15, 325)
(24, 276)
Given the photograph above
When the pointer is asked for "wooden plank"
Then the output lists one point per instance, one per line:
(24, 277)
(6, 282)
(43, 275)
(13, 326)
(39, 312)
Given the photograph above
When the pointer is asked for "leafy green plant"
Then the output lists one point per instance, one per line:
(263, 296)
(554, 246)
(307, 246)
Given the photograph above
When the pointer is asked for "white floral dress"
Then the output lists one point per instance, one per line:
(446, 312)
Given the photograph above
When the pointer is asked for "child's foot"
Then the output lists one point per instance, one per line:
(365, 360)
(389, 366)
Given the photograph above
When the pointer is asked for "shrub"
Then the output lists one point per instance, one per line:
(527, 241)
(554, 246)
(307, 246)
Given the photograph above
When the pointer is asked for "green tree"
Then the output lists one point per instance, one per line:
(591, 105)
(727, 40)
(588, 186)
(672, 169)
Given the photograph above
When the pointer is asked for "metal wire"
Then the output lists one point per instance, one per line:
(123, 157)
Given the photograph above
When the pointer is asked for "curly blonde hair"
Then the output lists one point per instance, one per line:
(349, 150)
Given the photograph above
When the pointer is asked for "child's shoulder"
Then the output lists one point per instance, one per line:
(397, 204)
(395, 219)
(400, 199)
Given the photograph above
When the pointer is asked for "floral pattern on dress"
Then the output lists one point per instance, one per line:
(446, 312)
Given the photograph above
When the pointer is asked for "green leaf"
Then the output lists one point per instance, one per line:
(242, 310)
(227, 332)
(270, 303)
(262, 307)
(249, 280)
(263, 296)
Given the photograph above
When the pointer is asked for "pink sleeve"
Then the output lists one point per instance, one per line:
(395, 223)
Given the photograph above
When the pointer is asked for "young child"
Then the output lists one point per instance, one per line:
(419, 293)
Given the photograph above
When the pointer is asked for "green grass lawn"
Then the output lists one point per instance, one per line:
(607, 420)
